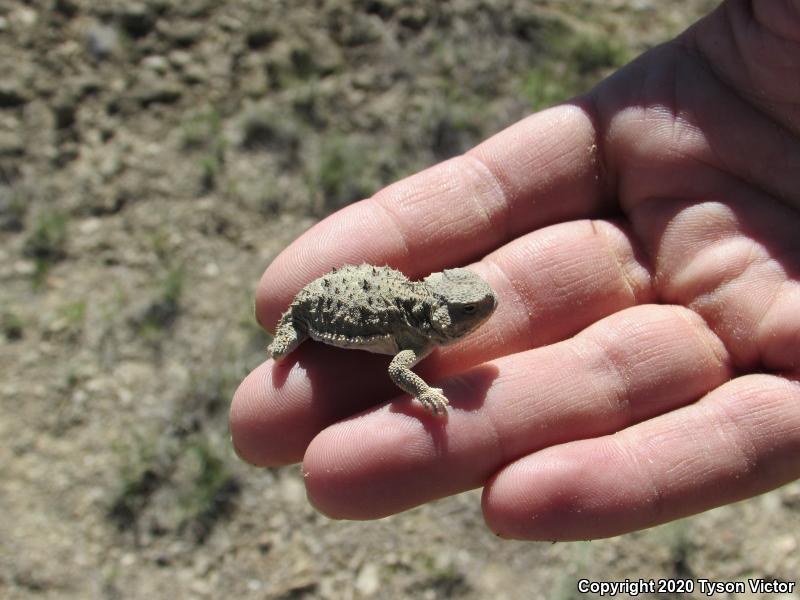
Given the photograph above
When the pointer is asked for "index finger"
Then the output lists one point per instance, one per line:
(539, 171)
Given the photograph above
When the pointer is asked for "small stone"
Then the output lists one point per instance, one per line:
(413, 17)
(102, 41)
(90, 226)
(24, 267)
(26, 17)
(194, 74)
(293, 490)
(368, 579)
(179, 58)
(200, 587)
(11, 144)
(786, 544)
(152, 89)
(229, 23)
(182, 33)
(156, 63)
(211, 270)
(128, 559)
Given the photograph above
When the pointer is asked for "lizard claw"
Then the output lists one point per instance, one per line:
(434, 400)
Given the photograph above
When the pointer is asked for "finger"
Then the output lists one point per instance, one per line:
(736, 263)
(551, 284)
(631, 366)
(539, 171)
(279, 408)
(740, 440)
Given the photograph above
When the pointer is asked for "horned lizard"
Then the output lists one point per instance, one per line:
(379, 310)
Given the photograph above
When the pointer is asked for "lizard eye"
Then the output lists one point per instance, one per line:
(469, 308)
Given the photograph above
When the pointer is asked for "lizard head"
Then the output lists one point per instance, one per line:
(461, 302)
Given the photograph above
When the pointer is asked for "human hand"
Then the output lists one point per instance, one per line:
(644, 360)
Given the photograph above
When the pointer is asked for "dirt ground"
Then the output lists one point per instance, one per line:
(155, 155)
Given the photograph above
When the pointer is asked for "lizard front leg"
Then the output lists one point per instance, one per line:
(408, 381)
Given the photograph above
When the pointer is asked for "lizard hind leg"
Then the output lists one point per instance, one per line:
(288, 336)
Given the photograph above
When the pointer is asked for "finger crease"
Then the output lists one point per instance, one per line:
(500, 224)
(397, 222)
(656, 497)
(519, 300)
(619, 400)
(736, 434)
(628, 281)
(605, 182)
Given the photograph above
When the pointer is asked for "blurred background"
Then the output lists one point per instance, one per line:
(155, 155)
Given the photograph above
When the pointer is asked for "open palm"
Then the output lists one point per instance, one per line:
(644, 360)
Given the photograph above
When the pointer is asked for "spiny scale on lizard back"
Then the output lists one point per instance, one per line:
(362, 300)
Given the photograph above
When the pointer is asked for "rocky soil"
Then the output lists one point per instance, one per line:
(155, 155)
